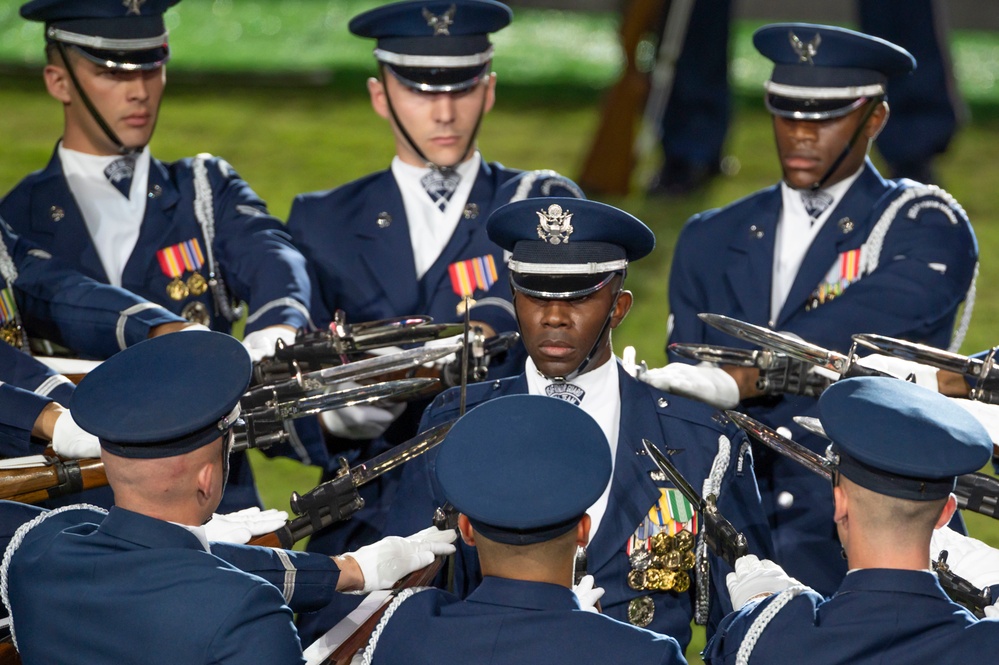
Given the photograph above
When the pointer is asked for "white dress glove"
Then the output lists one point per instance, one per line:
(588, 594)
(992, 612)
(242, 525)
(705, 382)
(364, 421)
(900, 368)
(967, 557)
(390, 559)
(986, 414)
(261, 343)
(69, 440)
(754, 577)
(195, 327)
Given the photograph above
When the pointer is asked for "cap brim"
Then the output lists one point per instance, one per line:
(143, 60)
(812, 109)
(439, 79)
(560, 287)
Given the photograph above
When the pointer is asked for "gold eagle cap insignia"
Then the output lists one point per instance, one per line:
(806, 50)
(441, 24)
(133, 6)
(555, 225)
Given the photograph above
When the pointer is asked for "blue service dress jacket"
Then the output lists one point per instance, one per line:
(723, 264)
(50, 299)
(684, 430)
(126, 588)
(513, 621)
(253, 255)
(877, 616)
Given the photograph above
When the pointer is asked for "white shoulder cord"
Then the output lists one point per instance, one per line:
(760, 622)
(204, 211)
(712, 486)
(870, 251)
(550, 177)
(16, 541)
(369, 650)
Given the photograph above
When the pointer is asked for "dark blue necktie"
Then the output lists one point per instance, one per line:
(119, 173)
(440, 185)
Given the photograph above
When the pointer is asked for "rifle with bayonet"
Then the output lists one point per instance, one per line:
(976, 492)
(343, 342)
(337, 499)
(792, 373)
(983, 371)
(959, 589)
(721, 537)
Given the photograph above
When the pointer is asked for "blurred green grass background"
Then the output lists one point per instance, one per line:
(277, 88)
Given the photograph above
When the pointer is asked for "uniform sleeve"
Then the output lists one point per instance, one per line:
(260, 629)
(18, 411)
(923, 273)
(306, 580)
(257, 259)
(59, 303)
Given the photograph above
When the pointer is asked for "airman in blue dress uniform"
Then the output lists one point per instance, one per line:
(567, 265)
(832, 250)
(400, 241)
(42, 296)
(898, 448)
(522, 490)
(142, 583)
(189, 235)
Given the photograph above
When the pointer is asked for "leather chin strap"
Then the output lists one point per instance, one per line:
(416, 148)
(596, 344)
(849, 144)
(90, 105)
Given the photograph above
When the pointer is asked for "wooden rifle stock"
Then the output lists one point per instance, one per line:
(357, 640)
(608, 165)
(59, 477)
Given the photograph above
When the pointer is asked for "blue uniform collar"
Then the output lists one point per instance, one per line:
(147, 532)
(523, 595)
(920, 582)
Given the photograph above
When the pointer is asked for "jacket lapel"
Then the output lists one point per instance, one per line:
(749, 258)
(54, 213)
(633, 492)
(848, 224)
(386, 250)
(156, 230)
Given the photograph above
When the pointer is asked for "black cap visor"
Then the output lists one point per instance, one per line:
(439, 79)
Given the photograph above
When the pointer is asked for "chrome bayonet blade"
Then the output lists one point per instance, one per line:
(813, 425)
(399, 390)
(405, 451)
(673, 474)
(778, 341)
(922, 353)
(363, 369)
(812, 461)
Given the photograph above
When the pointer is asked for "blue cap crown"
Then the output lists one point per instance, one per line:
(165, 396)
(822, 71)
(524, 468)
(118, 34)
(899, 439)
(565, 247)
(434, 46)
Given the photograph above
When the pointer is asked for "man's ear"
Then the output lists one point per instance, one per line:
(621, 308)
(206, 482)
(376, 91)
(466, 530)
(877, 121)
(948, 512)
(490, 93)
(583, 531)
(58, 83)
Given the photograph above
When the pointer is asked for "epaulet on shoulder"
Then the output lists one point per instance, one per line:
(448, 402)
(348, 189)
(693, 411)
(916, 197)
